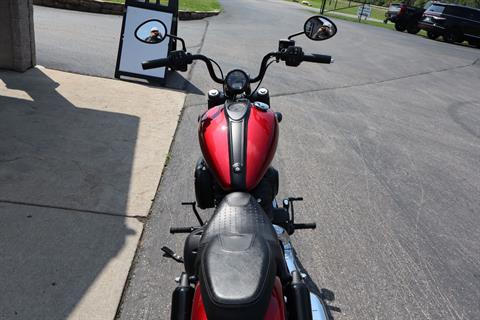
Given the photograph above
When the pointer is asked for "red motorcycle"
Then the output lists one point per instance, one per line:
(240, 264)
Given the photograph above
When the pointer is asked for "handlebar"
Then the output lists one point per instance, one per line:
(263, 66)
(157, 63)
(318, 58)
(178, 60)
(208, 62)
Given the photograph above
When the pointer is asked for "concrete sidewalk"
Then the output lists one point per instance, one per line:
(80, 161)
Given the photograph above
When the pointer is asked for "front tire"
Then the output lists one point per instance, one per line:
(475, 43)
(400, 26)
(452, 36)
(432, 35)
(413, 28)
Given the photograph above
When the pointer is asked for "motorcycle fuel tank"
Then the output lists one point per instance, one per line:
(238, 141)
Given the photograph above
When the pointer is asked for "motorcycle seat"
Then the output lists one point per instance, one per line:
(238, 266)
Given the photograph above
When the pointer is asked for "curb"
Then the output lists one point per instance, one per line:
(94, 6)
(196, 15)
(98, 6)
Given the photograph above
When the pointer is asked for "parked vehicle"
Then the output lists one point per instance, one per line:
(404, 16)
(455, 23)
(240, 264)
(392, 12)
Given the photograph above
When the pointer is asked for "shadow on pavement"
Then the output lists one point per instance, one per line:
(173, 81)
(177, 81)
(327, 296)
(55, 157)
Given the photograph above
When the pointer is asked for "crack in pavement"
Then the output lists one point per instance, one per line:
(199, 46)
(10, 160)
(378, 81)
(475, 62)
(105, 213)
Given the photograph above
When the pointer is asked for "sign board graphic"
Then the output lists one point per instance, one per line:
(364, 11)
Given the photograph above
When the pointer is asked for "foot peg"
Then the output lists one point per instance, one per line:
(286, 217)
(168, 253)
(298, 226)
(183, 229)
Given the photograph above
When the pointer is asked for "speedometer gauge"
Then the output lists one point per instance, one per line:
(237, 81)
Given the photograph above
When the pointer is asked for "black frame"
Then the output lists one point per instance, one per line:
(172, 7)
(321, 17)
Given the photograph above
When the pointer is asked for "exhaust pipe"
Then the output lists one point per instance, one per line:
(298, 298)
(182, 299)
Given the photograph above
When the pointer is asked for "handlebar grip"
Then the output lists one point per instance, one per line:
(157, 63)
(305, 225)
(182, 229)
(318, 58)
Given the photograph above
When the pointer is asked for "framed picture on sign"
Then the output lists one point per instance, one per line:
(143, 37)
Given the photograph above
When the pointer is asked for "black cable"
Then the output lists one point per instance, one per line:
(221, 72)
(259, 83)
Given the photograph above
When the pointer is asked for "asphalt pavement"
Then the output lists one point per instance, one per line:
(78, 42)
(384, 146)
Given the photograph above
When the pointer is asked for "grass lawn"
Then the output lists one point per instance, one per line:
(390, 26)
(421, 33)
(350, 7)
(346, 6)
(376, 13)
(189, 5)
(372, 23)
(200, 5)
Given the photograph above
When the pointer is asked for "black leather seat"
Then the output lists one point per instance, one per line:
(238, 266)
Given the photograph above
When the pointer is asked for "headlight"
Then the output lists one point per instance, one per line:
(237, 81)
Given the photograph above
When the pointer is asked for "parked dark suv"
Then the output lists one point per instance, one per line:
(455, 23)
(404, 16)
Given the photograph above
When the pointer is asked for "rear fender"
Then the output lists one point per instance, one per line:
(275, 311)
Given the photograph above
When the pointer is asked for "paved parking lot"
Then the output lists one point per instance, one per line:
(384, 145)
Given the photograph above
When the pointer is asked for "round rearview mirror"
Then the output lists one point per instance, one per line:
(151, 31)
(319, 28)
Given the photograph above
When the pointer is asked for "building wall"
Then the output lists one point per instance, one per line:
(17, 39)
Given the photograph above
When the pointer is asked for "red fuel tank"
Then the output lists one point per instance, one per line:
(238, 142)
